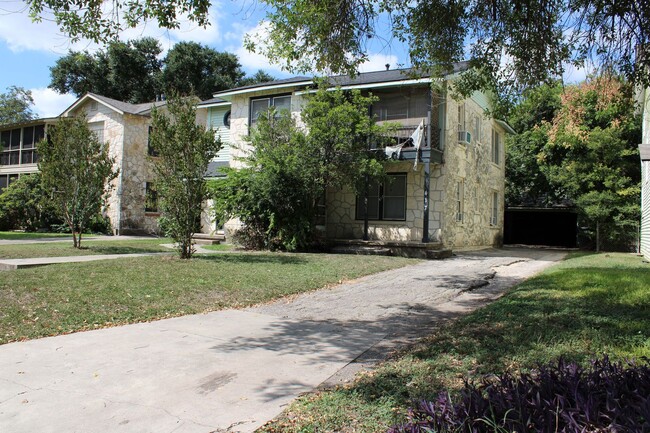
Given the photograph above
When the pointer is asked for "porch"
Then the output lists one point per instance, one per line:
(412, 249)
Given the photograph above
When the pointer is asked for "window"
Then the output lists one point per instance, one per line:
(31, 136)
(464, 136)
(460, 198)
(476, 128)
(494, 215)
(496, 147)
(19, 145)
(461, 117)
(150, 198)
(226, 119)
(261, 105)
(98, 129)
(6, 180)
(386, 201)
(150, 150)
(10, 147)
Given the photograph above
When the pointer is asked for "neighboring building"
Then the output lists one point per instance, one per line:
(644, 150)
(453, 196)
(18, 154)
(132, 206)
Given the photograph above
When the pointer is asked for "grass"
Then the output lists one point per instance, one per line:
(581, 308)
(88, 248)
(29, 235)
(59, 299)
(219, 247)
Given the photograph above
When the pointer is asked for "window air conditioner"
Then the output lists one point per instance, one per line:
(464, 137)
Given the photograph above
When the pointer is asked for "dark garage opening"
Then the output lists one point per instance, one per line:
(541, 226)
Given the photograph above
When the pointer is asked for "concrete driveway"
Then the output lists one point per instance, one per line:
(233, 370)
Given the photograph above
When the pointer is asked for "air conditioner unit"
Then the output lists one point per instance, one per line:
(464, 137)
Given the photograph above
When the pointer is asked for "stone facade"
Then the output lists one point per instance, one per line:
(466, 194)
(127, 136)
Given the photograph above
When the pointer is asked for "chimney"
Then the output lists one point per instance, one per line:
(387, 66)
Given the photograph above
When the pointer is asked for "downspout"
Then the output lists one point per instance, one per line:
(427, 179)
(119, 191)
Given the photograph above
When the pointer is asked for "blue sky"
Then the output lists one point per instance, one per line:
(28, 50)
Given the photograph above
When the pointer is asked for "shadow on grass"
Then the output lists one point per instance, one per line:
(235, 257)
(576, 313)
(594, 311)
(117, 249)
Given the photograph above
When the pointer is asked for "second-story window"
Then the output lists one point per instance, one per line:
(496, 147)
(150, 150)
(261, 105)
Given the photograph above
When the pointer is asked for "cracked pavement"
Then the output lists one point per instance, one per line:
(233, 370)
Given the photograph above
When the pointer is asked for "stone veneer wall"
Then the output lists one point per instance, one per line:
(341, 208)
(239, 130)
(127, 137)
(472, 163)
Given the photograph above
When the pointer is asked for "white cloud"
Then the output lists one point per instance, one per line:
(378, 62)
(48, 103)
(252, 62)
(21, 34)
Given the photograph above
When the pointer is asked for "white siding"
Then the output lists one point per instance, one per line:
(645, 209)
(216, 122)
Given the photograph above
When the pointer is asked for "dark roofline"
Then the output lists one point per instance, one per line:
(43, 120)
(345, 80)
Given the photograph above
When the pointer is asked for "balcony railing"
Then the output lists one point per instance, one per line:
(401, 147)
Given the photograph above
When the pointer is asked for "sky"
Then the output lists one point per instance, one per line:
(28, 50)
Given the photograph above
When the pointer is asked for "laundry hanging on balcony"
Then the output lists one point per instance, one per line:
(418, 139)
(415, 140)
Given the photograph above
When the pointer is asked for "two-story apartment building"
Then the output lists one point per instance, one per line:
(18, 155)
(448, 190)
(125, 127)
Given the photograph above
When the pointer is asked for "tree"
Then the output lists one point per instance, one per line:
(289, 169)
(132, 72)
(592, 156)
(126, 71)
(526, 184)
(77, 171)
(183, 150)
(258, 77)
(510, 44)
(15, 105)
(195, 69)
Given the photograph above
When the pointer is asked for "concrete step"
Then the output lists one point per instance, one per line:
(206, 239)
(362, 250)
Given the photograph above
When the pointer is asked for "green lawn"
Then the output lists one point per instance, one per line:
(581, 308)
(219, 247)
(88, 248)
(70, 297)
(23, 235)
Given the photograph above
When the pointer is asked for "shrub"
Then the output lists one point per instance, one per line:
(25, 205)
(561, 397)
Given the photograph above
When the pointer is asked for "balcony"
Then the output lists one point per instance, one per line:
(404, 148)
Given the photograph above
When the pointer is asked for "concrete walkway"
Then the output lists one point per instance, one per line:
(233, 370)
(13, 264)
(69, 239)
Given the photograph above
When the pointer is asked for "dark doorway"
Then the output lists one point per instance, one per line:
(541, 226)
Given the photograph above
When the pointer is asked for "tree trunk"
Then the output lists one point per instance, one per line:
(75, 243)
(597, 236)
